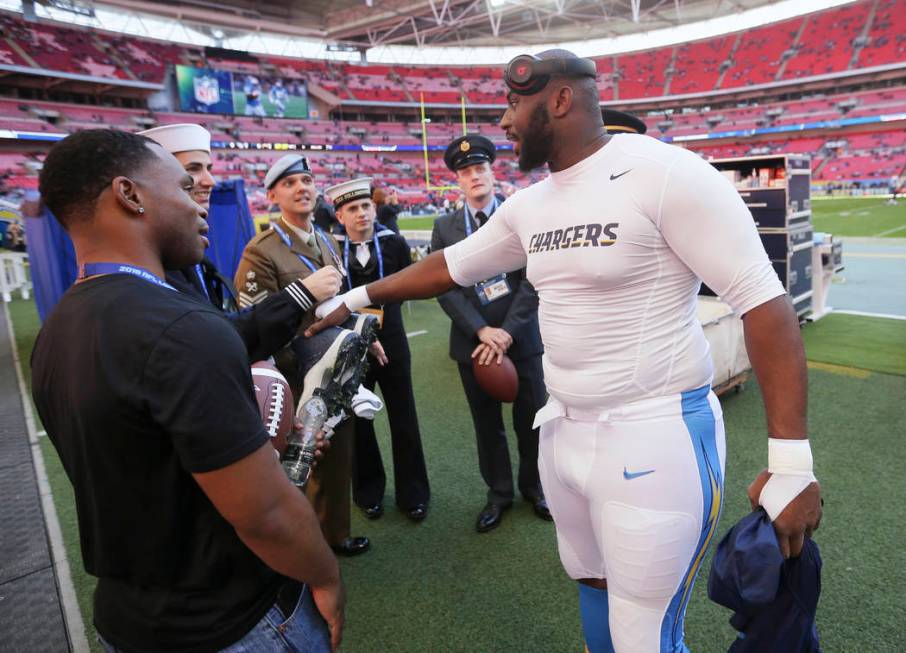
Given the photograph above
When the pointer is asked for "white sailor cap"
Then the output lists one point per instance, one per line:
(185, 137)
(349, 191)
(289, 164)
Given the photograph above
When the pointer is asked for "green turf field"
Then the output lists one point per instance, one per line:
(867, 217)
(419, 223)
(440, 586)
(863, 217)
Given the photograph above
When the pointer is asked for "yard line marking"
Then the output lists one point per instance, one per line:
(872, 255)
(842, 370)
(416, 333)
(889, 231)
(889, 316)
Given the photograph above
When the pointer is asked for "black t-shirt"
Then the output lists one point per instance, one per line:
(396, 255)
(139, 386)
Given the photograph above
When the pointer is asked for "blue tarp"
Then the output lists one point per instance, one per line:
(52, 258)
(230, 226)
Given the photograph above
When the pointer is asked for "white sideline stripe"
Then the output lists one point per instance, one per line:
(889, 316)
(890, 231)
(72, 615)
(416, 333)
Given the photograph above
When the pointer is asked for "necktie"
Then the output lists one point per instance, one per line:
(313, 242)
(481, 217)
(362, 254)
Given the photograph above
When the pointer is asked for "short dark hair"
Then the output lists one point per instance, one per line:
(82, 165)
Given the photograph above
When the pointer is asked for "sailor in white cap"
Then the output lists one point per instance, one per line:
(370, 251)
(273, 323)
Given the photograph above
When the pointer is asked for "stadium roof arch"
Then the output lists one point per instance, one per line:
(423, 31)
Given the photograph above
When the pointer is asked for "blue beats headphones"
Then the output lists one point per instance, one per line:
(527, 74)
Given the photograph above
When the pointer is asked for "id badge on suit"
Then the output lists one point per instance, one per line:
(493, 289)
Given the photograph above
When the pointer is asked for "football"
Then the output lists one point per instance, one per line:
(275, 401)
(500, 381)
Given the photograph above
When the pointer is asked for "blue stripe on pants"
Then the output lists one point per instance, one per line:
(700, 422)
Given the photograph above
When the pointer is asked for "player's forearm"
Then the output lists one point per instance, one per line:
(775, 350)
(288, 539)
(427, 278)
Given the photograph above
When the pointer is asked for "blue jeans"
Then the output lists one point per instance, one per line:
(304, 631)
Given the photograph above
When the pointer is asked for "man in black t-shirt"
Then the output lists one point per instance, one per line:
(370, 253)
(198, 540)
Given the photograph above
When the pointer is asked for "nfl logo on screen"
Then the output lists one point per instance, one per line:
(207, 90)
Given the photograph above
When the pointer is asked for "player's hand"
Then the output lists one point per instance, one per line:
(331, 603)
(799, 519)
(376, 349)
(336, 318)
(324, 283)
(494, 337)
(486, 354)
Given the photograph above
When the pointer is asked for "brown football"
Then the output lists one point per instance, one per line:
(275, 401)
(500, 381)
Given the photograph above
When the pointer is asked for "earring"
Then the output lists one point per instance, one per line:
(141, 209)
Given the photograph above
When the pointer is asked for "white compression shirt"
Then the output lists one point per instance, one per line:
(616, 246)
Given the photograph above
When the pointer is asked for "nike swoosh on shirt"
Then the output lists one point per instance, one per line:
(631, 475)
(613, 176)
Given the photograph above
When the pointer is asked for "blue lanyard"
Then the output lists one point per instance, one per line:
(304, 259)
(92, 269)
(200, 274)
(467, 215)
(377, 251)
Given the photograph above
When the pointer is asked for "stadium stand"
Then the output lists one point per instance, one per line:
(830, 41)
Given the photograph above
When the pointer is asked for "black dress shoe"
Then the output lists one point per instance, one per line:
(541, 509)
(418, 512)
(373, 512)
(539, 505)
(351, 546)
(490, 517)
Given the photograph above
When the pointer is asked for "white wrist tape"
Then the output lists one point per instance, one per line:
(790, 464)
(356, 298)
(328, 306)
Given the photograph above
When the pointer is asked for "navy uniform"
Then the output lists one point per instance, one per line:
(516, 311)
(385, 253)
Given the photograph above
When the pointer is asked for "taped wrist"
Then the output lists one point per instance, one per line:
(790, 464)
(356, 298)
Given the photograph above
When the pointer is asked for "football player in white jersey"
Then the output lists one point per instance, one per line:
(617, 241)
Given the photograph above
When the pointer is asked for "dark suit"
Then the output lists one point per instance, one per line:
(517, 314)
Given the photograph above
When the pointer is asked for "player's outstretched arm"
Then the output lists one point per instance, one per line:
(788, 489)
(427, 278)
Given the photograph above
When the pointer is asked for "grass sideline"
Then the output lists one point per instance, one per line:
(439, 586)
(860, 217)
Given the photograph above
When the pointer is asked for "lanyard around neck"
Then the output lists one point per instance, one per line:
(377, 251)
(467, 214)
(93, 269)
(318, 233)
